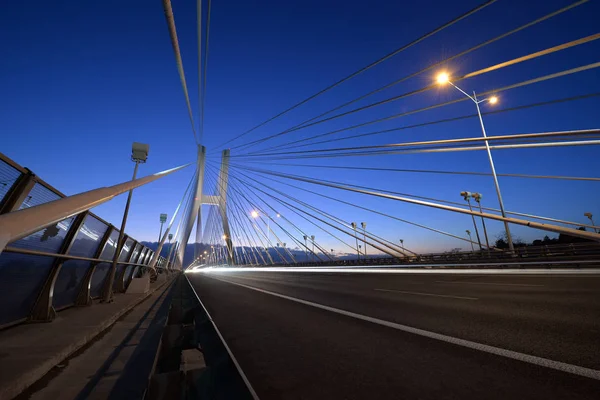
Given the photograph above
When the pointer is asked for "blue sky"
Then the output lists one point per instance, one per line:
(81, 80)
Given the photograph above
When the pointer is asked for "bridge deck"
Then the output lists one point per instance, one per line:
(292, 350)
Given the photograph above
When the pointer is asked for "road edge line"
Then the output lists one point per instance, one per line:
(235, 362)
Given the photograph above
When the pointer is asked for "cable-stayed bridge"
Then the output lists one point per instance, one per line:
(428, 235)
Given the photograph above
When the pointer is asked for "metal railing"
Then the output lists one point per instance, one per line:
(66, 262)
(571, 252)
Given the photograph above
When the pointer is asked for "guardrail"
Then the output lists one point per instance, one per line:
(193, 360)
(64, 264)
(560, 252)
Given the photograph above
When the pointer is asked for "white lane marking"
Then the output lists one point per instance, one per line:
(427, 294)
(492, 283)
(235, 362)
(539, 361)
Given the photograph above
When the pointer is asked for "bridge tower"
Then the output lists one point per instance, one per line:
(219, 199)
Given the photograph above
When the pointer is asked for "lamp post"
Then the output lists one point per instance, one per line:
(402, 246)
(467, 197)
(255, 214)
(444, 78)
(139, 155)
(356, 237)
(470, 240)
(312, 238)
(306, 247)
(163, 219)
(364, 226)
(589, 215)
(477, 197)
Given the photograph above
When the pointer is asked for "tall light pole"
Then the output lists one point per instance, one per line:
(255, 214)
(470, 240)
(163, 219)
(467, 197)
(444, 78)
(477, 197)
(306, 247)
(402, 246)
(312, 238)
(170, 247)
(364, 226)
(589, 215)
(139, 155)
(356, 237)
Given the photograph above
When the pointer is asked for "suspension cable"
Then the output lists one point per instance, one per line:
(483, 94)
(432, 86)
(294, 144)
(175, 43)
(360, 71)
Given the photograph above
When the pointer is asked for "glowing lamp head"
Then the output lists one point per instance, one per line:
(254, 214)
(442, 78)
(493, 100)
(224, 237)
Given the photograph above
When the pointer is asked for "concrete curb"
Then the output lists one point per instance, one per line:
(17, 386)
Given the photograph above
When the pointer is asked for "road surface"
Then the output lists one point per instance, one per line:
(303, 335)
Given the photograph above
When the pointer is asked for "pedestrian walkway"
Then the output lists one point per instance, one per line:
(71, 344)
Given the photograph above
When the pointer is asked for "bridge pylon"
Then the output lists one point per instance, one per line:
(219, 199)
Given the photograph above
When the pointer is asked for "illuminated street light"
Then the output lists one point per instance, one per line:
(444, 78)
(255, 215)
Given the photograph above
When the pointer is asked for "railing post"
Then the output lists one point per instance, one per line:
(43, 311)
(84, 297)
(120, 283)
(18, 192)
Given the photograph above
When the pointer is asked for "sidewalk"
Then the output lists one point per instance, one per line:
(29, 351)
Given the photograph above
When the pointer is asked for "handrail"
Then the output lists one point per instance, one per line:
(19, 224)
(10, 249)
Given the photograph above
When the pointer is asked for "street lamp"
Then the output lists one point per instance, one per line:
(467, 197)
(444, 78)
(364, 226)
(356, 237)
(477, 197)
(163, 219)
(312, 238)
(589, 215)
(139, 155)
(255, 215)
(306, 247)
(402, 246)
(470, 240)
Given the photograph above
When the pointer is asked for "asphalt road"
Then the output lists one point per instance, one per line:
(409, 336)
